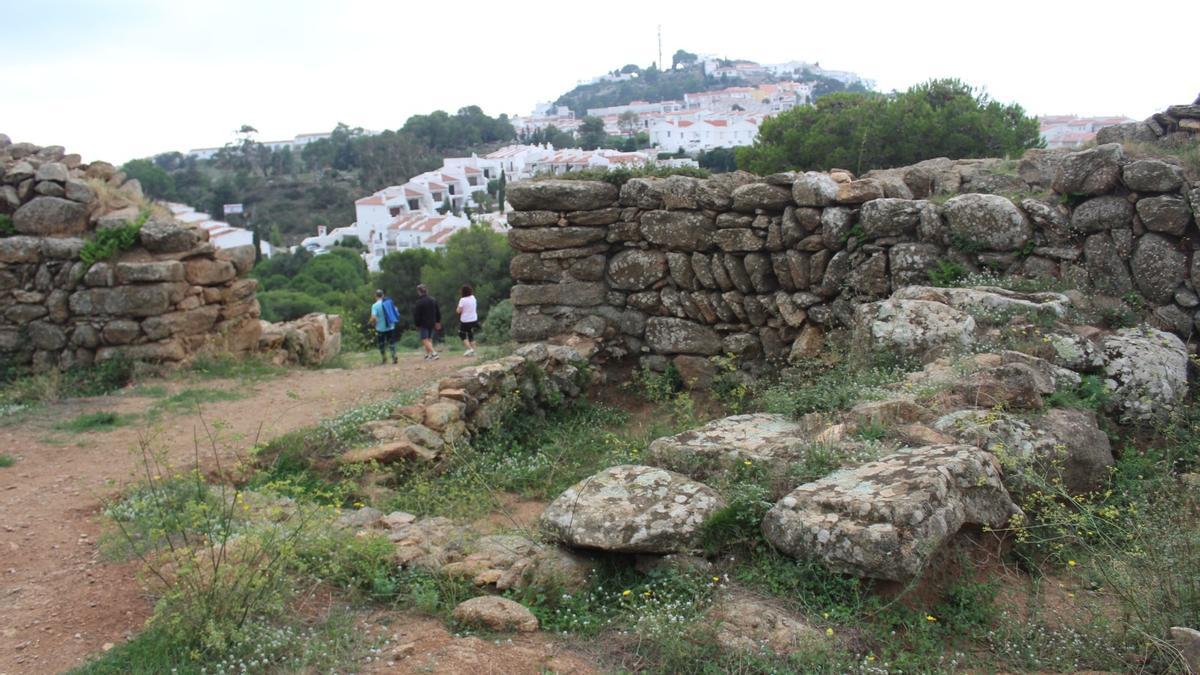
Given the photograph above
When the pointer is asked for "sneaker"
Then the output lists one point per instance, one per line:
(434, 356)
(395, 360)
(469, 352)
(427, 356)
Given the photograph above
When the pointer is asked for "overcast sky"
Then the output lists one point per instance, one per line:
(117, 79)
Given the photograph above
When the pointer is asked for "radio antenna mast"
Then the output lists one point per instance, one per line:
(660, 61)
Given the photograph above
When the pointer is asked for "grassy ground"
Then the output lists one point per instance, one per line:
(1087, 582)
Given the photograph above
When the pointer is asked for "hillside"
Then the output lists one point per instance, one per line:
(287, 195)
(655, 85)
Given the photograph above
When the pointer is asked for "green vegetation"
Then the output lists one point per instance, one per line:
(6, 225)
(7, 460)
(940, 118)
(292, 285)
(190, 400)
(21, 389)
(292, 193)
(97, 421)
(947, 273)
(106, 244)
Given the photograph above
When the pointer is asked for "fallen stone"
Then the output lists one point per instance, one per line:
(886, 519)
(496, 613)
(632, 509)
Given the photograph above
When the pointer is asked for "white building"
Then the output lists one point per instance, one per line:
(220, 233)
(296, 144)
(1069, 131)
(704, 131)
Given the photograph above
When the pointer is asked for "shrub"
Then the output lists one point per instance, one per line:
(497, 326)
(6, 225)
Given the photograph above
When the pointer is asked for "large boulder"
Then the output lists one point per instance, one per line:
(632, 509)
(561, 195)
(1146, 374)
(1168, 214)
(1102, 213)
(1151, 175)
(667, 335)
(814, 189)
(1158, 266)
(1064, 444)
(886, 519)
(912, 327)
(767, 440)
(50, 216)
(987, 222)
(1089, 172)
(889, 218)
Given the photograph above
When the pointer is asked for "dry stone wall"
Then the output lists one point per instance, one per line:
(686, 268)
(170, 295)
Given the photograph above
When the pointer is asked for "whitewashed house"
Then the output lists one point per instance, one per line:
(704, 132)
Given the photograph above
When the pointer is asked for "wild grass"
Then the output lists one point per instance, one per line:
(227, 366)
(7, 460)
(191, 400)
(97, 421)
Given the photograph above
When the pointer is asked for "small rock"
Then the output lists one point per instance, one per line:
(496, 613)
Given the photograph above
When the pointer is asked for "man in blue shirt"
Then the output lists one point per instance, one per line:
(384, 327)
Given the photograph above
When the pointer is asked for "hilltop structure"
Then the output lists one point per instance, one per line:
(295, 145)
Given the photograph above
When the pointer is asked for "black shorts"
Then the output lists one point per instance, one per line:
(466, 330)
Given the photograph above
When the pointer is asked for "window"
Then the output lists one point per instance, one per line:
(395, 211)
(413, 205)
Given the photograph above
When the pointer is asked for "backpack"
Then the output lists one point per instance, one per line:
(389, 311)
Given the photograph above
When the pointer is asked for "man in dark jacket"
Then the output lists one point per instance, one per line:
(428, 319)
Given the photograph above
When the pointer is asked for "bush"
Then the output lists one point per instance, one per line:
(497, 326)
(107, 243)
(287, 305)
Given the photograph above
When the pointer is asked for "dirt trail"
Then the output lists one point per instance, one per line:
(59, 599)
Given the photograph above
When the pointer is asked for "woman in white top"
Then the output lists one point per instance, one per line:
(468, 319)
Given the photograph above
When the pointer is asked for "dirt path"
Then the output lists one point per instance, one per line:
(59, 599)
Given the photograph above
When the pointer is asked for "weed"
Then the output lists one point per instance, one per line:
(739, 523)
(729, 386)
(190, 400)
(658, 387)
(816, 387)
(6, 225)
(97, 421)
(107, 243)
(224, 365)
(947, 273)
(1091, 394)
(7, 460)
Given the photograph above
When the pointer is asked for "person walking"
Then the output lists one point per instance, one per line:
(384, 328)
(427, 317)
(393, 315)
(468, 318)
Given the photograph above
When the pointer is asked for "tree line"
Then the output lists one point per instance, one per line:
(294, 284)
(864, 131)
(293, 192)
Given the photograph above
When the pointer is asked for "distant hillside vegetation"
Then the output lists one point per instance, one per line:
(287, 194)
(654, 85)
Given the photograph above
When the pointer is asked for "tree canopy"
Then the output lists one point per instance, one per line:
(864, 131)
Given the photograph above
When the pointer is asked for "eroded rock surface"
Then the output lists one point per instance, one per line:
(632, 509)
(885, 519)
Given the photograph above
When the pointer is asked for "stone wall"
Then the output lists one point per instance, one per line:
(763, 267)
(170, 295)
(536, 378)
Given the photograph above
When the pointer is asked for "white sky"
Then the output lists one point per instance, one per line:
(117, 79)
